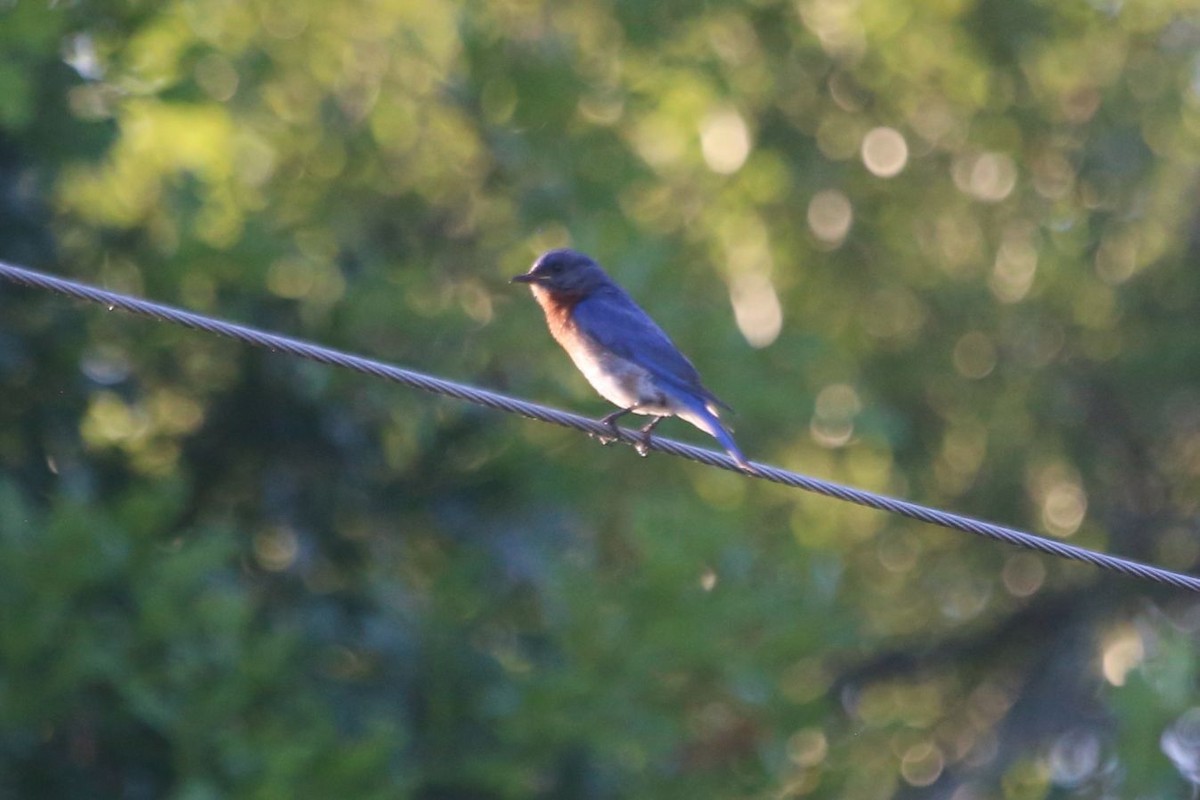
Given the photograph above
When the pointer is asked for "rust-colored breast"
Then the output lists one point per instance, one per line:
(557, 307)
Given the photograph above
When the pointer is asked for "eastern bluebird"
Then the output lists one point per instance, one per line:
(623, 354)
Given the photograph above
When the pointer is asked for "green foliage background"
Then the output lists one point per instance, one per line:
(937, 248)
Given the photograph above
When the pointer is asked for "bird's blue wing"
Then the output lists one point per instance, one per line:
(617, 323)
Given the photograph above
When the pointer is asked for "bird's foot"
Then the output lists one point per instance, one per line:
(611, 422)
(602, 439)
(642, 445)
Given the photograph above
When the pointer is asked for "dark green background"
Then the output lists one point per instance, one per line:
(229, 573)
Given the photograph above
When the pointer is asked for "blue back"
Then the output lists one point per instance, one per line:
(611, 317)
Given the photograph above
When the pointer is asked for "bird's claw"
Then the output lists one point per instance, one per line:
(605, 439)
(642, 446)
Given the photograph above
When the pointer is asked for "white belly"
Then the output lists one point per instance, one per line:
(623, 383)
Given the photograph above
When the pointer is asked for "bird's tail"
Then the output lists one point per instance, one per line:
(698, 414)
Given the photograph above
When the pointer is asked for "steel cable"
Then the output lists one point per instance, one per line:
(471, 394)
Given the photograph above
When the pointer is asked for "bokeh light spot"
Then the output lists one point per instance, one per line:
(757, 309)
(922, 764)
(659, 142)
(974, 355)
(807, 747)
(1014, 269)
(216, 76)
(833, 415)
(830, 215)
(1122, 651)
(725, 141)
(884, 152)
(1116, 259)
(275, 549)
(990, 177)
(1023, 574)
(1181, 743)
(1074, 757)
(1064, 508)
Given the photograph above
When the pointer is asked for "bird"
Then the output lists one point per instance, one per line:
(620, 350)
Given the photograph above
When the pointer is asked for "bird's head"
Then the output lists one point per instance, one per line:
(564, 272)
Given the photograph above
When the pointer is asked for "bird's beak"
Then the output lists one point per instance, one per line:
(525, 277)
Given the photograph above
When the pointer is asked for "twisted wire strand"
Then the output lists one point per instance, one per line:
(512, 405)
